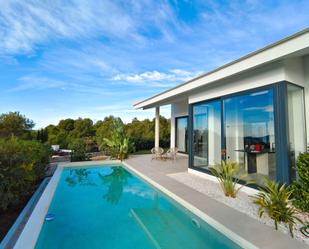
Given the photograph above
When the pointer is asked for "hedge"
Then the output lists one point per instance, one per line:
(301, 185)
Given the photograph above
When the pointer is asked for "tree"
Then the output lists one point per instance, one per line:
(66, 125)
(14, 123)
(104, 129)
(142, 133)
(42, 135)
(82, 128)
(52, 132)
(22, 165)
(68, 130)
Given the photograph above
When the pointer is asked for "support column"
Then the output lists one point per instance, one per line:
(157, 127)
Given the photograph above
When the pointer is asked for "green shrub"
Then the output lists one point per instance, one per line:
(79, 150)
(273, 199)
(22, 165)
(229, 175)
(142, 144)
(301, 185)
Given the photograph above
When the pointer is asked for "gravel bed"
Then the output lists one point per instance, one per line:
(242, 202)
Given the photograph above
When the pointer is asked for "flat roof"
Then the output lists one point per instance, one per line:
(280, 49)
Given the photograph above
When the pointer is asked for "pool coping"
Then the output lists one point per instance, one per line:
(32, 229)
(230, 222)
(212, 222)
(14, 232)
(30, 234)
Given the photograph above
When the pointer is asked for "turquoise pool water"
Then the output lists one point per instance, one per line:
(110, 208)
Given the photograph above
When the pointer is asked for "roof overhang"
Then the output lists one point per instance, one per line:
(294, 45)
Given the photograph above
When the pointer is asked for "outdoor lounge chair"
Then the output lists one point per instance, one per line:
(171, 153)
(157, 153)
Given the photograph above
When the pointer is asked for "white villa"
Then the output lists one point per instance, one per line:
(251, 111)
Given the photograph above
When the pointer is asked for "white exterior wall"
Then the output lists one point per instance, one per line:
(290, 47)
(297, 72)
(294, 70)
(260, 77)
(306, 73)
(177, 109)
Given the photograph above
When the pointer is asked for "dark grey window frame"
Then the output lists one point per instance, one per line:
(176, 126)
(279, 89)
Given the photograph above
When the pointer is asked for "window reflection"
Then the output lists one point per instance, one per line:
(207, 133)
(296, 121)
(249, 133)
(182, 134)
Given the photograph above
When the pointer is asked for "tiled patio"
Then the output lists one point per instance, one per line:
(145, 163)
(258, 234)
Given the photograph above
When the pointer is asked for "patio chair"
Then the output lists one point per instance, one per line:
(157, 153)
(172, 153)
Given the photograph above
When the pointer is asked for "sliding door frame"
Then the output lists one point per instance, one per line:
(281, 130)
(176, 127)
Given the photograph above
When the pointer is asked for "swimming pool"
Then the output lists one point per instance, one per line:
(109, 207)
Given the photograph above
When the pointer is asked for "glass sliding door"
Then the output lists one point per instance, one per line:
(249, 133)
(182, 134)
(206, 147)
(296, 123)
(241, 127)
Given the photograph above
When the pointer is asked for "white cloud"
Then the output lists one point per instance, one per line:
(38, 83)
(126, 50)
(174, 75)
(268, 108)
(26, 24)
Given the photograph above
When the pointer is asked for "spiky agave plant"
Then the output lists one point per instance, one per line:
(229, 174)
(274, 199)
(305, 229)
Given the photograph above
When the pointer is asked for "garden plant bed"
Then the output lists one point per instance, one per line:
(9, 216)
(242, 203)
(7, 219)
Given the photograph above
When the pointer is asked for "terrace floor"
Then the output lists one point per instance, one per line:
(144, 163)
(257, 233)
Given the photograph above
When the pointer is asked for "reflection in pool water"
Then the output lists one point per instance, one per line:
(131, 215)
(115, 182)
(79, 177)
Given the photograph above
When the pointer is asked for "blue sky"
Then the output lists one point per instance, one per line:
(69, 59)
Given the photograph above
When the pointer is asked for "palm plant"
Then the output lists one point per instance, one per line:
(119, 144)
(273, 199)
(119, 148)
(229, 174)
